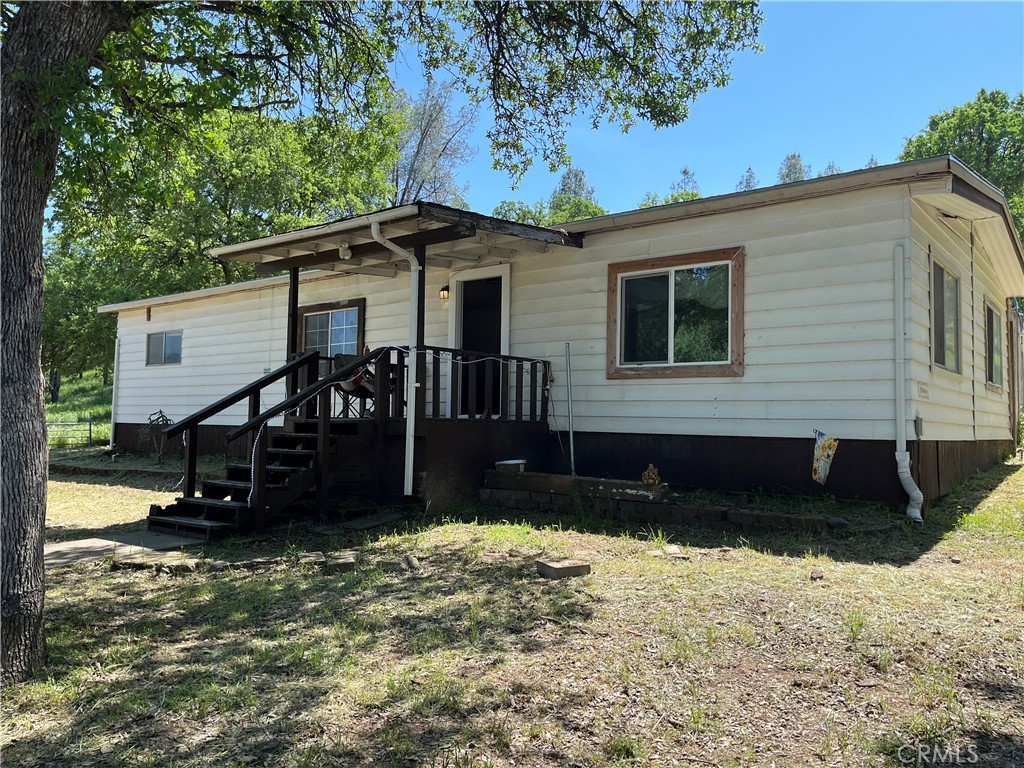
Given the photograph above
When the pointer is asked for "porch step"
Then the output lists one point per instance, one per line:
(190, 526)
(339, 427)
(216, 503)
(236, 489)
(306, 453)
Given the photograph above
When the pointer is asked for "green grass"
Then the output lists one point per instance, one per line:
(82, 399)
(732, 657)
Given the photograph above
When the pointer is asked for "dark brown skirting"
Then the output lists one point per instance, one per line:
(456, 454)
(862, 469)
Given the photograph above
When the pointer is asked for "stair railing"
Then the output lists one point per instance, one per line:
(314, 399)
(302, 370)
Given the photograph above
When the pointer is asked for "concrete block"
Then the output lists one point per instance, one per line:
(774, 520)
(712, 514)
(742, 516)
(341, 562)
(512, 465)
(562, 568)
(543, 498)
(495, 479)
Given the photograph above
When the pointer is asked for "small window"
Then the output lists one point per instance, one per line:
(945, 318)
(677, 316)
(993, 347)
(333, 329)
(163, 348)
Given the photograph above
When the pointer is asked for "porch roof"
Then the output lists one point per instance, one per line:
(450, 236)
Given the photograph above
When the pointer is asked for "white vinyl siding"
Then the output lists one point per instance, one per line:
(818, 322)
(234, 338)
(818, 328)
(953, 406)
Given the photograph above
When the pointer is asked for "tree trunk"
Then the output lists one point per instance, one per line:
(44, 45)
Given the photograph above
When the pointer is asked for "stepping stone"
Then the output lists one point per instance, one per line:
(341, 562)
(312, 558)
(562, 568)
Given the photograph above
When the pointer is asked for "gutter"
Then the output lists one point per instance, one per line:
(411, 380)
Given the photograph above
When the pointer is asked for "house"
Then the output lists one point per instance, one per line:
(710, 338)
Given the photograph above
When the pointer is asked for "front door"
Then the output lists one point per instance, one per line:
(481, 325)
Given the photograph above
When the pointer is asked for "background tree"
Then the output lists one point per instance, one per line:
(872, 162)
(988, 135)
(89, 75)
(830, 170)
(432, 147)
(684, 188)
(572, 200)
(793, 169)
(573, 183)
(145, 227)
(748, 181)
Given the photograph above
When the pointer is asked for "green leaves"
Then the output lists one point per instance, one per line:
(988, 135)
(572, 200)
(139, 219)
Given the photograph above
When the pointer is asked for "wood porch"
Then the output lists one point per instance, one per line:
(475, 408)
(435, 415)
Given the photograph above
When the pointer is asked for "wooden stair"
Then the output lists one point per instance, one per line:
(222, 506)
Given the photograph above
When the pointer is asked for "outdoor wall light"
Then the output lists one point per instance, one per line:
(443, 293)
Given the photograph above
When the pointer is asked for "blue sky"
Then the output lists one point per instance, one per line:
(836, 81)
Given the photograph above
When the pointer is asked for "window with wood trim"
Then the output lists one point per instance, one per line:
(163, 348)
(993, 346)
(945, 318)
(676, 316)
(332, 329)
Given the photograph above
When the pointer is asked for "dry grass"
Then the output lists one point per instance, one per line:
(730, 656)
(100, 459)
(79, 506)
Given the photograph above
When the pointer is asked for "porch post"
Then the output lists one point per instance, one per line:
(420, 252)
(292, 346)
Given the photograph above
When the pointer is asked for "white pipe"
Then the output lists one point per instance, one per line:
(568, 390)
(410, 396)
(900, 366)
(113, 398)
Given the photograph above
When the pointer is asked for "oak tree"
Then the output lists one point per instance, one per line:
(86, 76)
(988, 135)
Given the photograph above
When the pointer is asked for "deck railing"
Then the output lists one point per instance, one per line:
(455, 384)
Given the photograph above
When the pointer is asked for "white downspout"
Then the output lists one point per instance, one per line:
(410, 397)
(900, 363)
(113, 396)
